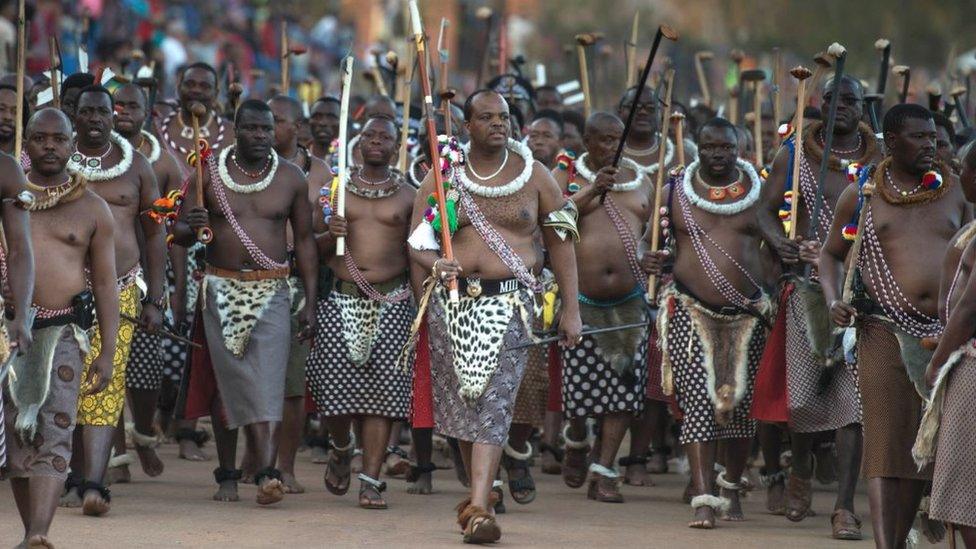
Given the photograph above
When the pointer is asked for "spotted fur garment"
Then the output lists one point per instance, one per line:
(240, 303)
(360, 324)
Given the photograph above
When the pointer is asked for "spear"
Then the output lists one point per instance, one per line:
(839, 53)
(447, 94)
(21, 52)
(343, 130)
(435, 157)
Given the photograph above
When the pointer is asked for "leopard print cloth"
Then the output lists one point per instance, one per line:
(239, 306)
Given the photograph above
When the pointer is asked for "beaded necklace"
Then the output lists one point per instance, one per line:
(204, 132)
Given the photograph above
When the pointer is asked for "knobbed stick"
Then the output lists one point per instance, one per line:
(848, 292)
(343, 155)
(584, 41)
(434, 155)
(883, 45)
(756, 77)
(956, 94)
(21, 59)
(906, 78)
(700, 59)
(678, 119)
(198, 111)
(801, 74)
(632, 51)
(659, 184)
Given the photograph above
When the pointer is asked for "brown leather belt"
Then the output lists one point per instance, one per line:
(247, 276)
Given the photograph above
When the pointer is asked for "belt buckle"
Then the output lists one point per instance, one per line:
(474, 287)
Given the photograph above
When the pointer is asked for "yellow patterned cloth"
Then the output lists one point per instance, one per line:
(104, 408)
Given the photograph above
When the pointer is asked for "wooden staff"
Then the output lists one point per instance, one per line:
(756, 77)
(848, 292)
(956, 94)
(736, 56)
(343, 155)
(198, 111)
(777, 92)
(824, 64)
(435, 157)
(733, 106)
(632, 52)
(484, 13)
(883, 46)
(447, 94)
(52, 52)
(801, 74)
(659, 184)
(934, 91)
(906, 78)
(678, 119)
(584, 41)
(405, 128)
(234, 88)
(700, 58)
(375, 74)
(21, 60)
(285, 59)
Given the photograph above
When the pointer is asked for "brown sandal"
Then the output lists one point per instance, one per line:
(798, 498)
(575, 460)
(340, 467)
(369, 484)
(846, 525)
(604, 487)
(479, 525)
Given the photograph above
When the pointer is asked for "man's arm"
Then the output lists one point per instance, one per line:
(193, 214)
(950, 263)
(306, 255)
(833, 255)
(155, 252)
(772, 199)
(562, 256)
(20, 254)
(423, 258)
(101, 256)
(960, 327)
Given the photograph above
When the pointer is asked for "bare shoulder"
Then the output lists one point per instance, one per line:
(96, 207)
(292, 176)
(542, 178)
(13, 183)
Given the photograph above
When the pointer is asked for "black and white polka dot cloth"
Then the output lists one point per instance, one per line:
(174, 353)
(684, 350)
(591, 387)
(381, 386)
(145, 368)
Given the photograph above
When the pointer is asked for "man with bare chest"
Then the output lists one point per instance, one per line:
(812, 409)
(916, 208)
(250, 199)
(197, 84)
(645, 134)
(503, 198)
(125, 180)
(287, 113)
(144, 372)
(71, 232)
(714, 314)
(354, 370)
(605, 376)
(323, 122)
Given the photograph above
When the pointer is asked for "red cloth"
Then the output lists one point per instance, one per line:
(201, 387)
(769, 397)
(555, 368)
(422, 410)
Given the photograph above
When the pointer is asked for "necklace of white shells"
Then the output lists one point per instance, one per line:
(507, 189)
(91, 166)
(586, 173)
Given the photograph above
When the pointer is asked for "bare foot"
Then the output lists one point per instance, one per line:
(422, 486)
(191, 452)
(270, 491)
(291, 484)
(119, 474)
(38, 541)
(227, 491)
(734, 512)
(704, 518)
(636, 475)
(70, 499)
(151, 464)
(94, 505)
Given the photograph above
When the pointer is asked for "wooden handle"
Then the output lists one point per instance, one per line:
(679, 131)
(797, 155)
(632, 51)
(405, 123)
(584, 80)
(659, 184)
(848, 292)
(703, 82)
(204, 234)
(285, 59)
(757, 123)
(52, 49)
(343, 153)
(21, 60)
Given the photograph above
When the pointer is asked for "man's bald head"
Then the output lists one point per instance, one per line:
(601, 122)
(601, 137)
(50, 120)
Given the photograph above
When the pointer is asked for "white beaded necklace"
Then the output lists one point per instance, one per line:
(154, 148)
(229, 182)
(586, 173)
(723, 209)
(99, 174)
(509, 188)
(651, 169)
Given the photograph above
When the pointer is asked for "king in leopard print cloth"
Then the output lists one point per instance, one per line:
(714, 313)
(476, 367)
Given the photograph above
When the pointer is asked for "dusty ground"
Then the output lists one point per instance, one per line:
(175, 510)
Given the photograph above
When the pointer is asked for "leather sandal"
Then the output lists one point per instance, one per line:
(477, 524)
(575, 461)
(846, 525)
(367, 485)
(520, 482)
(798, 498)
(339, 466)
(604, 485)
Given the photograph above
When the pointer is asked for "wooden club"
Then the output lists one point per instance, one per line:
(801, 74)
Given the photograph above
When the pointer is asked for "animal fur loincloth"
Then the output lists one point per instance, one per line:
(820, 331)
(477, 327)
(30, 376)
(915, 358)
(923, 452)
(360, 324)
(240, 304)
(725, 348)
(618, 348)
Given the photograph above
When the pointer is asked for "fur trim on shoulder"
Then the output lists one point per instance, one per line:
(707, 500)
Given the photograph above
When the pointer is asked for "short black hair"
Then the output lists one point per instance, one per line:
(97, 89)
(200, 65)
(142, 92)
(26, 114)
(553, 116)
(77, 80)
(719, 123)
(547, 87)
(468, 102)
(328, 99)
(293, 105)
(943, 121)
(255, 105)
(574, 118)
(896, 116)
(384, 118)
